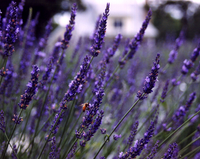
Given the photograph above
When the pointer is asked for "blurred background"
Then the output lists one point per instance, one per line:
(126, 16)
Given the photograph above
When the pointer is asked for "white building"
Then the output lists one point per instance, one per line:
(125, 17)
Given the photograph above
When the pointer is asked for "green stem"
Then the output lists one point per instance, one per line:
(178, 128)
(198, 148)
(67, 122)
(10, 144)
(6, 147)
(50, 133)
(118, 125)
(187, 137)
(182, 150)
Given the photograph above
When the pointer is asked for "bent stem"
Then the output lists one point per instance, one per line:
(108, 137)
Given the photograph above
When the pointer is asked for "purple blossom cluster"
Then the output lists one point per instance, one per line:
(100, 34)
(11, 31)
(134, 44)
(172, 152)
(150, 79)
(2, 121)
(74, 85)
(139, 144)
(181, 112)
(69, 28)
(188, 64)
(93, 128)
(31, 90)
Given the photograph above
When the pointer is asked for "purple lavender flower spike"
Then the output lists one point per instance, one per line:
(96, 28)
(16, 119)
(126, 49)
(94, 127)
(116, 137)
(99, 36)
(8, 79)
(172, 152)
(111, 50)
(195, 73)
(1, 31)
(174, 82)
(181, 112)
(93, 108)
(31, 90)
(134, 44)
(174, 52)
(30, 38)
(69, 28)
(103, 131)
(19, 15)
(43, 41)
(153, 151)
(164, 93)
(11, 31)
(188, 64)
(100, 81)
(46, 75)
(54, 152)
(139, 144)
(74, 85)
(2, 121)
(55, 130)
(151, 79)
(72, 152)
(133, 133)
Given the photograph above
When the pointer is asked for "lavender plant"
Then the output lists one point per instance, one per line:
(79, 104)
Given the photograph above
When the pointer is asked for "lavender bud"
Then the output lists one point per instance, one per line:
(11, 32)
(103, 131)
(134, 44)
(17, 119)
(164, 93)
(72, 152)
(133, 133)
(195, 73)
(99, 36)
(2, 121)
(69, 28)
(151, 79)
(172, 151)
(153, 151)
(31, 90)
(116, 137)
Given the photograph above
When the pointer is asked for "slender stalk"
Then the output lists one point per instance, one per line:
(108, 137)
(6, 147)
(50, 133)
(67, 122)
(10, 144)
(71, 132)
(3, 67)
(178, 128)
(191, 152)
(187, 137)
(183, 149)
